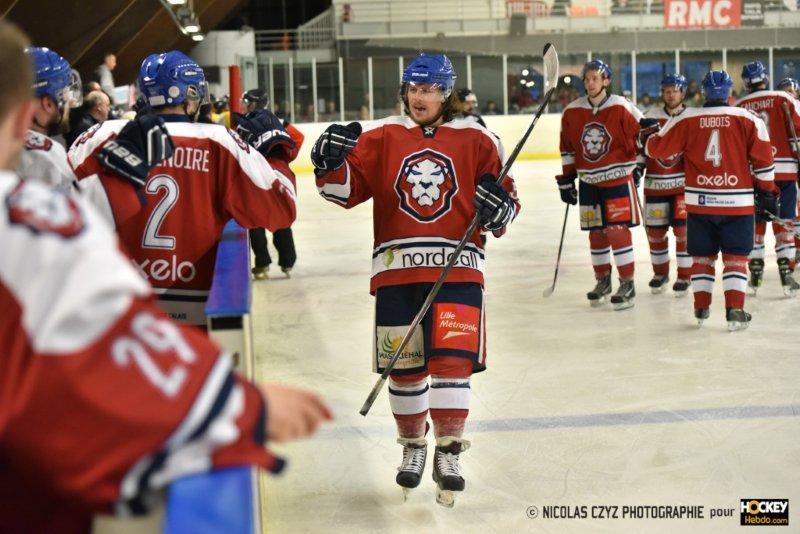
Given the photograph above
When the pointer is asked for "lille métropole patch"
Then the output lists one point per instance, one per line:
(456, 326)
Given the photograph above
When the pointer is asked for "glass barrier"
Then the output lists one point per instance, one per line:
(487, 83)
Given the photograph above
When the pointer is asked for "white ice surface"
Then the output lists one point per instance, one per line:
(579, 406)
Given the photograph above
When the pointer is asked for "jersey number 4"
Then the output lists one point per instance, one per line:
(152, 238)
(713, 153)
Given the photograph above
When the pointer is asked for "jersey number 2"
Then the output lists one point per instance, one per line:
(713, 153)
(151, 238)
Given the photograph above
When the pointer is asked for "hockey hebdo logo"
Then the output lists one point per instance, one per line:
(595, 141)
(764, 512)
(426, 184)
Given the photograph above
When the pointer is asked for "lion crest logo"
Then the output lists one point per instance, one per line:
(426, 184)
(595, 141)
(671, 161)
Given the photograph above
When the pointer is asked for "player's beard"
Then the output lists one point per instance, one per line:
(423, 124)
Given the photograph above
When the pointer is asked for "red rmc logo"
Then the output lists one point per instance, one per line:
(702, 13)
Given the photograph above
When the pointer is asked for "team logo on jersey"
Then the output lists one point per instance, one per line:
(239, 141)
(426, 184)
(670, 161)
(35, 141)
(595, 141)
(44, 210)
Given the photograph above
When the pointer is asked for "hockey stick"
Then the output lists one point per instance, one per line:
(786, 224)
(550, 59)
(549, 291)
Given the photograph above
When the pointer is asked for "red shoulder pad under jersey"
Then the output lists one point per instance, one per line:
(724, 149)
(769, 105)
(296, 135)
(422, 181)
(664, 176)
(104, 399)
(599, 144)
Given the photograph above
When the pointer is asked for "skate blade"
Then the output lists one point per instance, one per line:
(789, 292)
(680, 294)
(619, 306)
(700, 323)
(734, 326)
(657, 290)
(597, 303)
(445, 498)
(406, 493)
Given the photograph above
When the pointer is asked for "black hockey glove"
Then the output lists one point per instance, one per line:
(140, 145)
(647, 127)
(265, 132)
(567, 189)
(767, 203)
(493, 204)
(333, 145)
(638, 172)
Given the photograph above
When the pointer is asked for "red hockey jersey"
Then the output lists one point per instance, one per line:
(422, 182)
(599, 144)
(769, 106)
(103, 399)
(213, 176)
(724, 148)
(664, 176)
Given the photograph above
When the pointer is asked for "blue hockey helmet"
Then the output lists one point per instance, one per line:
(789, 85)
(754, 73)
(433, 69)
(55, 78)
(599, 65)
(675, 80)
(171, 78)
(717, 85)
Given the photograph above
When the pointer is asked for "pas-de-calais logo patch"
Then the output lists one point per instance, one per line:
(426, 184)
(595, 141)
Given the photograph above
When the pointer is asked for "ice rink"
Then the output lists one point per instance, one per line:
(578, 407)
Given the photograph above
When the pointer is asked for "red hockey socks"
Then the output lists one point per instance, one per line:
(659, 250)
(684, 260)
(784, 244)
(408, 398)
(622, 244)
(734, 279)
(758, 241)
(601, 253)
(703, 280)
(449, 394)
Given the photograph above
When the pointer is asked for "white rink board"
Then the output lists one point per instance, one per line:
(579, 406)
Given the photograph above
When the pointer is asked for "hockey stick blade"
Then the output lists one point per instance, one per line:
(550, 58)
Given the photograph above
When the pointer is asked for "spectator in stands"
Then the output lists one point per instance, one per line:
(331, 113)
(103, 74)
(645, 103)
(363, 113)
(491, 108)
(95, 109)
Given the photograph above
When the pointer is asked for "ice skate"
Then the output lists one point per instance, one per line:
(287, 271)
(701, 314)
(756, 274)
(790, 285)
(658, 284)
(447, 470)
(623, 298)
(259, 273)
(415, 451)
(738, 319)
(681, 287)
(598, 295)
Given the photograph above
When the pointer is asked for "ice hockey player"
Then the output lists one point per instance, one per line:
(469, 102)
(598, 147)
(105, 400)
(256, 107)
(664, 203)
(769, 106)
(723, 148)
(791, 86)
(56, 89)
(212, 176)
(427, 174)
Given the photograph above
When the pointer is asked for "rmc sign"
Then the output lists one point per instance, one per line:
(702, 14)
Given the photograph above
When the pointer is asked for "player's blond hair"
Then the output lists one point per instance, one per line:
(16, 84)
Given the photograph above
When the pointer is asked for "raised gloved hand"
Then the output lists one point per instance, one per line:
(567, 189)
(265, 132)
(139, 146)
(767, 203)
(333, 145)
(647, 127)
(638, 172)
(493, 203)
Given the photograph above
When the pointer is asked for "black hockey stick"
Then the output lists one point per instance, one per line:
(550, 59)
(549, 291)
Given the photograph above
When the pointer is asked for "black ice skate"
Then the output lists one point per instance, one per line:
(738, 319)
(447, 470)
(623, 298)
(658, 284)
(756, 274)
(790, 285)
(701, 314)
(415, 451)
(603, 288)
(681, 287)
(259, 273)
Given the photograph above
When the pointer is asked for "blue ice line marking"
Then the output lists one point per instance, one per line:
(596, 420)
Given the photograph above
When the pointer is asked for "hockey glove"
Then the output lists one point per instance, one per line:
(567, 189)
(493, 204)
(333, 145)
(647, 127)
(638, 172)
(767, 203)
(139, 146)
(265, 132)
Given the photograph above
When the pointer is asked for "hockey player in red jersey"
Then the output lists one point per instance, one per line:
(726, 153)
(792, 87)
(663, 193)
(212, 176)
(426, 174)
(104, 400)
(769, 106)
(598, 147)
